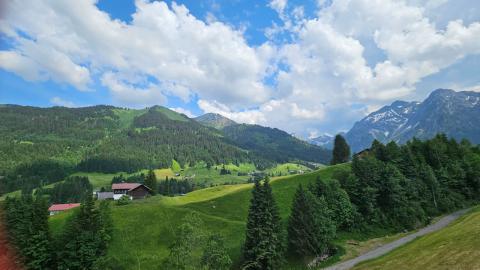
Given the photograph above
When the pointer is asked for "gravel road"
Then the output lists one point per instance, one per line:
(377, 252)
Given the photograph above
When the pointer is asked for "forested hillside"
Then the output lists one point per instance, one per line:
(390, 189)
(274, 144)
(44, 145)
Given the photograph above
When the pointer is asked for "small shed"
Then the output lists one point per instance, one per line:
(133, 190)
(58, 208)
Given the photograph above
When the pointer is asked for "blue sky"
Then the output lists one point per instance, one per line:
(308, 67)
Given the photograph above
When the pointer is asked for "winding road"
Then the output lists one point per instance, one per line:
(382, 250)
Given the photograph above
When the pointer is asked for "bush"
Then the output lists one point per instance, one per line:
(124, 200)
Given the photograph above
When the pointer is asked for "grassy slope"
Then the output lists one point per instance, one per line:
(144, 229)
(454, 247)
(286, 167)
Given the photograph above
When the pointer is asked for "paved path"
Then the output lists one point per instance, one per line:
(377, 252)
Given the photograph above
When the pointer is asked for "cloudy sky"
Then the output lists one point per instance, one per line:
(307, 67)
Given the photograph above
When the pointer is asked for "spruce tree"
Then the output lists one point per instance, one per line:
(310, 228)
(151, 181)
(272, 230)
(253, 230)
(341, 150)
(263, 246)
(84, 239)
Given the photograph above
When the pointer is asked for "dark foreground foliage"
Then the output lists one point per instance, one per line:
(81, 245)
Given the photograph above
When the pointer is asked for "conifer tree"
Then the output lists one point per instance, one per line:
(263, 246)
(84, 239)
(151, 181)
(310, 228)
(253, 230)
(341, 150)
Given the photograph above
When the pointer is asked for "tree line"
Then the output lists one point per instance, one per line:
(73, 190)
(82, 243)
(389, 186)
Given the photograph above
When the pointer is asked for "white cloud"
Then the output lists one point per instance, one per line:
(73, 41)
(278, 5)
(323, 77)
(127, 93)
(57, 101)
(184, 111)
(19, 64)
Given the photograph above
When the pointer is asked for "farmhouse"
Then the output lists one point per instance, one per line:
(132, 190)
(58, 208)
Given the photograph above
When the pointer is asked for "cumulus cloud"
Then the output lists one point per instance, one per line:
(278, 5)
(320, 79)
(71, 42)
(184, 111)
(57, 101)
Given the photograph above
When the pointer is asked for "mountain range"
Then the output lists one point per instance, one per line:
(111, 139)
(456, 114)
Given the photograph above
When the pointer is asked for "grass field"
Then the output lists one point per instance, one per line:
(456, 247)
(284, 169)
(144, 229)
(199, 172)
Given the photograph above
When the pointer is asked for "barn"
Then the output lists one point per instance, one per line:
(132, 190)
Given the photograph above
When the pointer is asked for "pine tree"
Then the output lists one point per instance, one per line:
(301, 226)
(272, 229)
(84, 239)
(253, 230)
(341, 150)
(310, 228)
(263, 246)
(151, 181)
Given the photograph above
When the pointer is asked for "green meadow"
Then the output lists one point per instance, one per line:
(144, 229)
(454, 247)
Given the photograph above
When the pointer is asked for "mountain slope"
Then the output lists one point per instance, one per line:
(454, 247)
(215, 120)
(274, 144)
(43, 145)
(457, 114)
(223, 209)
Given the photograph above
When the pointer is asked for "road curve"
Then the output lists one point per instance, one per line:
(382, 250)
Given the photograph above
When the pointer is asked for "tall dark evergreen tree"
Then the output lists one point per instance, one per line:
(27, 223)
(151, 181)
(341, 150)
(85, 238)
(310, 228)
(263, 248)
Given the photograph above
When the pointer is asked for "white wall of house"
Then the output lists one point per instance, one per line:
(118, 196)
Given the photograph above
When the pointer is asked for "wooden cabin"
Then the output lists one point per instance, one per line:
(132, 190)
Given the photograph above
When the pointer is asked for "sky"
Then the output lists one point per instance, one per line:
(307, 67)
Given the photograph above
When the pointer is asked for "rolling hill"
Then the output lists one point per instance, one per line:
(144, 230)
(274, 144)
(454, 247)
(43, 145)
(457, 114)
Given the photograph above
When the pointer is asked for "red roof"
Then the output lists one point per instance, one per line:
(128, 186)
(63, 207)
